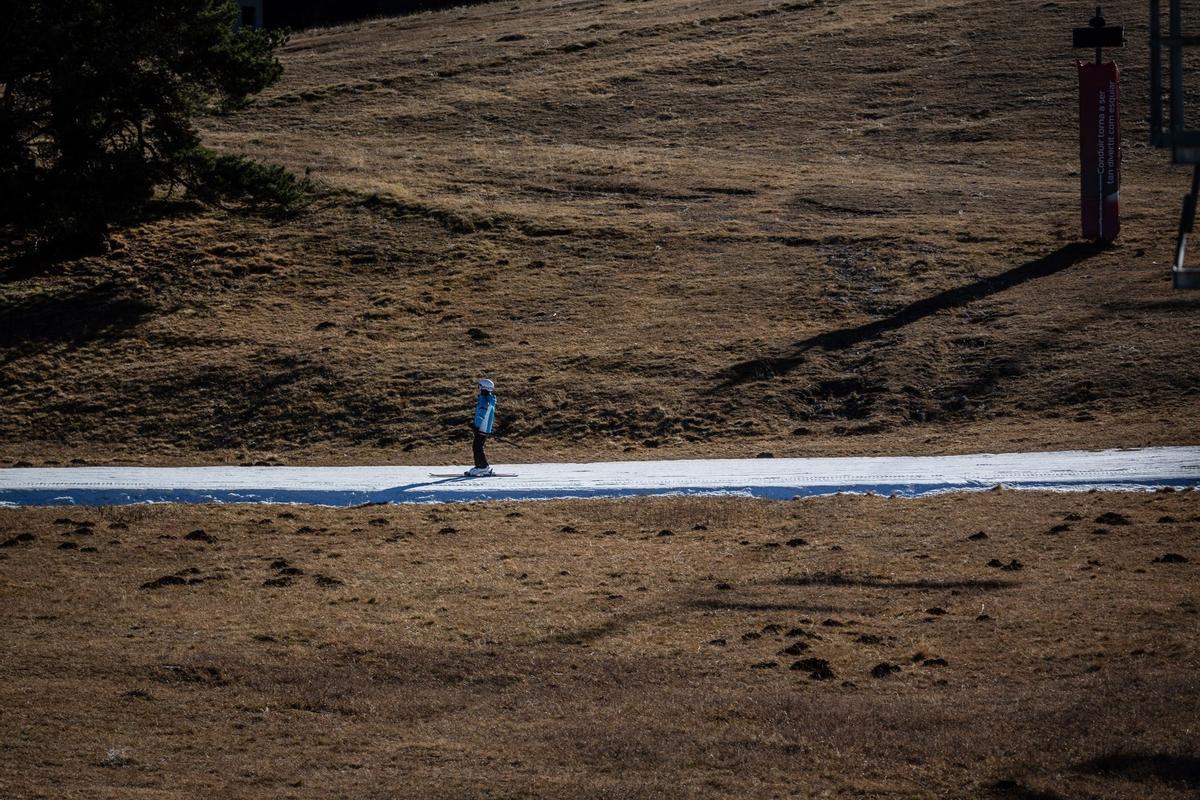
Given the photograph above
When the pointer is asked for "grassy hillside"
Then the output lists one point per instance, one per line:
(661, 226)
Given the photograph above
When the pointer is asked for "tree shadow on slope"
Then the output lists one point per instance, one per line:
(619, 623)
(21, 264)
(104, 311)
(1165, 767)
(871, 582)
(1008, 789)
(769, 366)
(22, 258)
(751, 606)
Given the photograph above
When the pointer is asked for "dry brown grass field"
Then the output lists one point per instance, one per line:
(702, 228)
(1018, 646)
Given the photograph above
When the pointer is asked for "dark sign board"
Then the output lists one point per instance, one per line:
(1107, 36)
(1100, 150)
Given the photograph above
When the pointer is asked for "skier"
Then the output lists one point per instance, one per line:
(485, 417)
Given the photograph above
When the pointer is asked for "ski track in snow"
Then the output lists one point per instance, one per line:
(775, 478)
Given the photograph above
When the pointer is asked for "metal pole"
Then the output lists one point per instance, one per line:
(1098, 23)
(1156, 112)
(1176, 31)
(1186, 222)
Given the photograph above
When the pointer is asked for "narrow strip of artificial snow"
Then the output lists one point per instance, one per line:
(778, 478)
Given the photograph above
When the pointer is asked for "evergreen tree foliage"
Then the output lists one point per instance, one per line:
(97, 101)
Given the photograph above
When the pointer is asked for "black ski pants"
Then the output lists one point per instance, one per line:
(477, 448)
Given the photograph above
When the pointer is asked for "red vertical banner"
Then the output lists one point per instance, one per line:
(1100, 150)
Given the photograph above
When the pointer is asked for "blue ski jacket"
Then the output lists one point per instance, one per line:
(485, 413)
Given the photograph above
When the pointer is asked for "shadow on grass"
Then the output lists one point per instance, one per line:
(19, 262)
(25, 258)
(594, 633)
(742, 605)
(614, 625)
(105, 311)
(766, 367)
(1166, 767)
(619, 623)
(1173, 304)
(840, 579)
(1012, 790)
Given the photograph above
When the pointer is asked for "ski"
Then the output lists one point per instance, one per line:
(460, 475)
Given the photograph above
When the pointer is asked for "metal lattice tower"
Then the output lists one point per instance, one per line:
(1173, 131)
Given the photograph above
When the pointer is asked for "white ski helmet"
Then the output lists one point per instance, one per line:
(487, 385)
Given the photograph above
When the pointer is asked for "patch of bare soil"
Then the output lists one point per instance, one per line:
(652, 648)
(717, 228)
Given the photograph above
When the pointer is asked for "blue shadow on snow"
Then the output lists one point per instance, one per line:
(444, 492)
